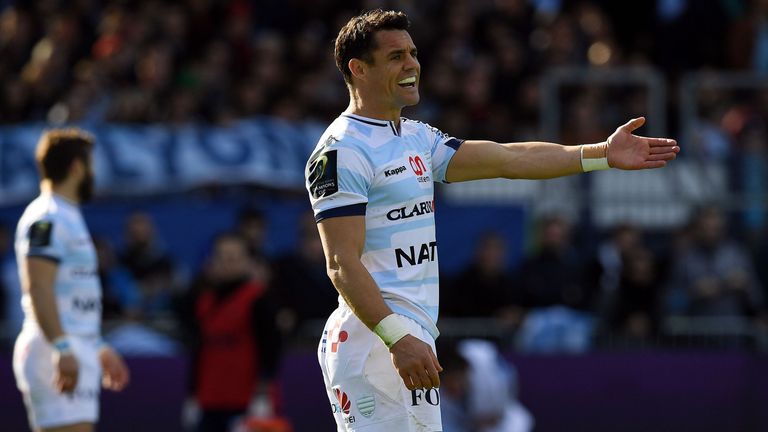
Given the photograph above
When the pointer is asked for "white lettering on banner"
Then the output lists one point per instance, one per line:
(145, 159)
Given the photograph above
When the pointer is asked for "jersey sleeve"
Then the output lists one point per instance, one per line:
(444, 147)
(338, 179)
(46, 239)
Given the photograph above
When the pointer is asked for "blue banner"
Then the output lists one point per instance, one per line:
(142, 159)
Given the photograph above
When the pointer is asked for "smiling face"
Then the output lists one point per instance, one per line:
(391, 80)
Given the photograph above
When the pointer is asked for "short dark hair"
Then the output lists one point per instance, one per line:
(58, 149)
(356, 38)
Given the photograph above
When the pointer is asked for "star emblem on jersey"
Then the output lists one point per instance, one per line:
(366, 405)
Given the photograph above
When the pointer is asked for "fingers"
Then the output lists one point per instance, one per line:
(633, 124)
(660, 150)
(409, 384)
(115, 378)
(434, 371)
(66, 383)
(661, 156)
(424, 380)
(660, 142)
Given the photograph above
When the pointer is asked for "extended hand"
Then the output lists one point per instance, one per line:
(633, 152)
(67, 371)
(115, 375)
(416, 363)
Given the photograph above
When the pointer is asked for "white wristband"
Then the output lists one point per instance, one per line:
(62, 345)
(594, 157)
(391, 329)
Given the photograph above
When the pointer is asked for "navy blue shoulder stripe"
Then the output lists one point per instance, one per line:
(349, 210)
(454, 143)
(43, 255)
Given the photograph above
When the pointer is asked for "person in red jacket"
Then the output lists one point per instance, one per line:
(236, 340)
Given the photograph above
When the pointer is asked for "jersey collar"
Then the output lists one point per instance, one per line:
(374, 122)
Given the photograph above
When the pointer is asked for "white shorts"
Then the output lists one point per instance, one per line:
(34, 370)
(365, 390)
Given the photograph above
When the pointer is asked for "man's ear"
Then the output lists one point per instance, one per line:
(358, 68)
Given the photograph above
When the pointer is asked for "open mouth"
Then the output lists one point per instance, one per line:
(407, 82)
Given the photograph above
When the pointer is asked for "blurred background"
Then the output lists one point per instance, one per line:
(629, 301)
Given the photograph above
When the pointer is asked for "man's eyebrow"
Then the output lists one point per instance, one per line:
(401, 51)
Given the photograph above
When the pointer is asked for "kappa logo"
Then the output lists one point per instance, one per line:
(394, 171)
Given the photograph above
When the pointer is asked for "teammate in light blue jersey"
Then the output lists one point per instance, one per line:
(370, 181)
(59, 359)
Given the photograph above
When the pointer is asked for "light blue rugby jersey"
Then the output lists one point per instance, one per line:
(53, 227)
(364, 166)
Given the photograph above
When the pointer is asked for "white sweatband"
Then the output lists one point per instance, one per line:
(62, 345)
(391, 329)
(594, 157)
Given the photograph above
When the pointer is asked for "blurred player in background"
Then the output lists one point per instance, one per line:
(370, 181)
(59, 359)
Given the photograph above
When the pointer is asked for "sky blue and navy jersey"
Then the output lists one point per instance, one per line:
(367, 167)
(53, 228)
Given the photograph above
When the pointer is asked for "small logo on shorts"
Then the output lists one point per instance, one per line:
(366, 405)
(344, 403)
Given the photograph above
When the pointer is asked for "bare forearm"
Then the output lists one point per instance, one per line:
(540, 160)
(524, 160)
(360, 291)
(46, 310)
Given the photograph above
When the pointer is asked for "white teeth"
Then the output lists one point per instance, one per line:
(409, 80)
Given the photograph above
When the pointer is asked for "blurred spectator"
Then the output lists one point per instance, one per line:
(609, 259)
(606, 269)
(633, 316)
(714, 276)
(301, 282)
(553, 287)
(11, 315)
(480, 393)
(751, 171)
(121, 298)
(454, 387)
(235, 339)
(485, 287)
(748, 38)
(252, 227)
(149, 263)
(553, 274)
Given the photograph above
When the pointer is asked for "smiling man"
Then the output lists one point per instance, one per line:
(371, 184)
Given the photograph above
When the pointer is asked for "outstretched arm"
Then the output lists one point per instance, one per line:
(540, 160)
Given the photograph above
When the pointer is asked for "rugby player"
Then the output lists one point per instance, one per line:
(370, 181)
(59, 359)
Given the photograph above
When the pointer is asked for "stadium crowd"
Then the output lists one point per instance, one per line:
(122, 61)
(90, 62)
(210, 61)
